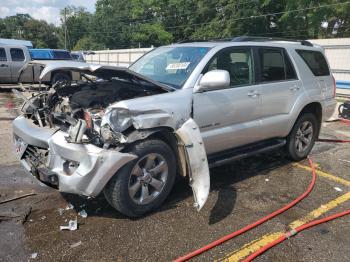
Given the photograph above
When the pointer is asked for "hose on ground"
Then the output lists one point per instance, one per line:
(253, 225)
(294, 232)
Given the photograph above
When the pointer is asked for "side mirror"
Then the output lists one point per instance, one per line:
(212, 80)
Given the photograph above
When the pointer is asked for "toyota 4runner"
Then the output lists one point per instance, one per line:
(179, 109)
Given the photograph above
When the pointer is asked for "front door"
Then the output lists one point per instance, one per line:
(230, 117)
(5, 71)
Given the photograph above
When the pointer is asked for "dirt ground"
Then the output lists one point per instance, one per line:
(241, 193)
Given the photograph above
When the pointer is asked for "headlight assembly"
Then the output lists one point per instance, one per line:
(117, 118)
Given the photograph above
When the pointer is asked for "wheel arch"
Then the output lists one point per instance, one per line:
(313, 108)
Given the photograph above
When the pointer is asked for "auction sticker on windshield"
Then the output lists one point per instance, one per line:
(176, 66)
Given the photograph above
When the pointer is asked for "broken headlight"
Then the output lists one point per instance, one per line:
(117, 118)
(114, 122)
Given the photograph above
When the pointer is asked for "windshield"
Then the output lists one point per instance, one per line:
(170, 65)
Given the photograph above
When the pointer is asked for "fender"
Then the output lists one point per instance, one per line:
(197, 163)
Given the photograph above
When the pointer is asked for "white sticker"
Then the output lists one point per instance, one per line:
(176, 66)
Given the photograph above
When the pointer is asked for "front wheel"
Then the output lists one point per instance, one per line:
(143, 184)
(302, 138)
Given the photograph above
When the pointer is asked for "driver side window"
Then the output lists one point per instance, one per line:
(238, 62)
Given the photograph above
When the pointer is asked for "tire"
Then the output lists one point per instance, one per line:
(60, 77)
(127, 190)
(300, 141)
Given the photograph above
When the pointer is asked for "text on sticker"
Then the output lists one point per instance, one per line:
(176, 66)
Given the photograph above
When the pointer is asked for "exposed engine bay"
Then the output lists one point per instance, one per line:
(78, 108)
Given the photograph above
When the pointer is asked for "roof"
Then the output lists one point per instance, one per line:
(6, 41)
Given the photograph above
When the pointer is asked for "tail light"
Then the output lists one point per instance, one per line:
(334, 87)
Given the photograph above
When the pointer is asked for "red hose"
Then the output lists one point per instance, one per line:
(248, 227)
(333, 140)
(294, 232)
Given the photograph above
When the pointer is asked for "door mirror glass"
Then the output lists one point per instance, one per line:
(215, 79)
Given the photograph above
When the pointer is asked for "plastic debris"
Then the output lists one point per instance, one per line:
(43, 218)
(72, 225)
(34, 255)
(338, 189)
(83, 214)
(76, 244)
(267, 180)
(61, 211)
(69, 206)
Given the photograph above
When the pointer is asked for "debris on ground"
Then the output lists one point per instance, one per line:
(72, 225)
(83, 214)
(61, 211)
(69, 206)
(76, 244)
(338, 189)
(267, 180)
(34, 255)
(17, 197)
(43, 218)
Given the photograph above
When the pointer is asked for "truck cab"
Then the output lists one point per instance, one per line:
(12, 59)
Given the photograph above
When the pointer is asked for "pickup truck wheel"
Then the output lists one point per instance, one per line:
(144, 183)
(302, 138)
(60, 77)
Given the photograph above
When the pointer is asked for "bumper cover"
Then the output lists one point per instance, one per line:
(81, 169)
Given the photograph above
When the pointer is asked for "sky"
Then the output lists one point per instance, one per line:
(48, 10)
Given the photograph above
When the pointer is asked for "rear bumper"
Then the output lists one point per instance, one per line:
(329, 109)
(81, 169)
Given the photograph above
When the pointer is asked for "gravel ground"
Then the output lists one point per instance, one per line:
(241, 192)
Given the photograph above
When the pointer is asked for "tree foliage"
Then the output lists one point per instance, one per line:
(133, 23)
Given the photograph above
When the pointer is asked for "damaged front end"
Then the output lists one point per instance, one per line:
(73, 135)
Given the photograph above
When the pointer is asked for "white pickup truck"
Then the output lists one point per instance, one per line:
(14, 57)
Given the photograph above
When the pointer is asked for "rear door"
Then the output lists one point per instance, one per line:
(280, 88)
(5, 71)
(229, 117)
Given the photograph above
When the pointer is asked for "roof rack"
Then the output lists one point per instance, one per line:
(269, 39)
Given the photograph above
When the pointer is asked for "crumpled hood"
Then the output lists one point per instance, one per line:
(100, 71)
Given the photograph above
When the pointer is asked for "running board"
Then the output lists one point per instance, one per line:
(234, 154)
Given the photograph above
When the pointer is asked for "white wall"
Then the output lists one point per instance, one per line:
(337, 52)
(119, 57)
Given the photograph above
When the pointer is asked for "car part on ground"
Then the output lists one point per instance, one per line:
(344, 110)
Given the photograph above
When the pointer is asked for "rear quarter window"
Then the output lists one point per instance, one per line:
(316, 61)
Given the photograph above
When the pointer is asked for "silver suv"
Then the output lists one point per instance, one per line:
(179, 109)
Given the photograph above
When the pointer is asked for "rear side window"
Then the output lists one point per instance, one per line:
(275, 65)
(2, 55)
(315, 61)
(17, 54)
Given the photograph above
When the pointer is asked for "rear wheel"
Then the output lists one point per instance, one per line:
(302, 138)
(144, 183)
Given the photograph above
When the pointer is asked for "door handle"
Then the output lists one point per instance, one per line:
(4, 65)
(253, 93)
(294, 88)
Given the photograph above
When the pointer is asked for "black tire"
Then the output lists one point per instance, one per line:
(60, 77)
(294, 138)
(117, 190)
